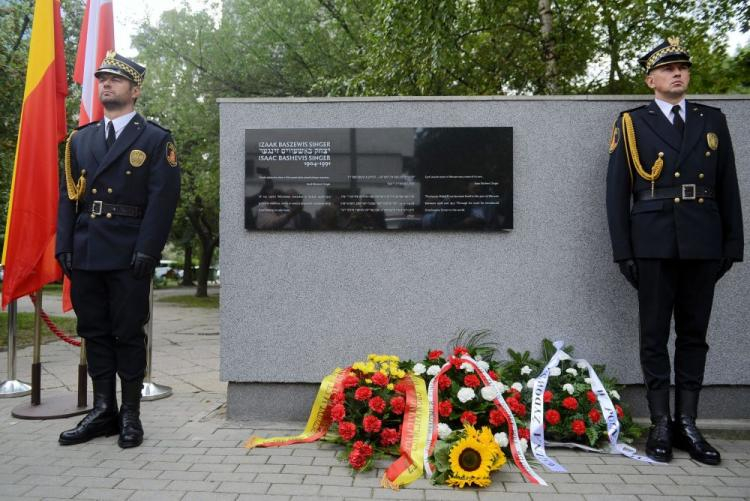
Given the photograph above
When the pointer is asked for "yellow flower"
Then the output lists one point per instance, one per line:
(472, 458)
(368, 381)
(390, 386)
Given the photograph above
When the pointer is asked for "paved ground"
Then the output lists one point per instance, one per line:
(192, 452)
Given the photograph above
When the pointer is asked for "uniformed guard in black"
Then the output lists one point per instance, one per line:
(117, 201)
(673, 208)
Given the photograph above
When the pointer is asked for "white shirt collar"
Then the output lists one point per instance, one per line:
(666, 108)
(119, 123)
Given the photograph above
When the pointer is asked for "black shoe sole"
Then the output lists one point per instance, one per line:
(107, 433)
(697, 457)
(129, 445)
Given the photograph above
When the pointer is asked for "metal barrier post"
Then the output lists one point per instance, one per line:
(13, 387)
(151, 390)
(36, 364)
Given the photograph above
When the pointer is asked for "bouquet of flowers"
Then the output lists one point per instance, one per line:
(467, 457)
(572, 412)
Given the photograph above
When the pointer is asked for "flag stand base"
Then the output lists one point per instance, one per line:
(14, 388)
(153, 391)
(57, 407)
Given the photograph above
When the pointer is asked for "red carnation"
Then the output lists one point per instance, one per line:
(524, 433)
(460, 350)
(377, 404)
(338, 397)
(380, 379)
(397, 405)
(338, 412)
(620, 412)
(570, 403)
(472, 381)
(400, 387)
(595, 416)
(456, 362)
(371, 424)
(521, 410)
(434, 354)
(578, 427)
(347, 430)
(389, 436)
(350, 381)
(496, 417)
(469, 417)
(363, 447)
(547, 396)
(444, 382)
(552, 417)
(445, 408)
(357, 459)
(591, 396)
(493, 375)
(363, 393)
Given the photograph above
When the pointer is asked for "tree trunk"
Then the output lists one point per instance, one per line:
(548, 47)
(207, 254)
(187, 267)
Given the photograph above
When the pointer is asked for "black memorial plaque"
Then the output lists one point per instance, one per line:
(437, 178)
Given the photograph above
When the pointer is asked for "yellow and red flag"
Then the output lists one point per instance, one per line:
(29, 246)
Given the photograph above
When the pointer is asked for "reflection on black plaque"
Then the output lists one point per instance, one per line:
(437, 178)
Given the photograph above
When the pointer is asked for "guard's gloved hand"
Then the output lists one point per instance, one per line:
(65, 259)
(143, 265)
(629, 269)
(724, 265)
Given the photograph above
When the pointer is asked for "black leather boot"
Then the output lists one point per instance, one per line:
(131, 430)
(687, 437)
(101, 421)
(659, 442)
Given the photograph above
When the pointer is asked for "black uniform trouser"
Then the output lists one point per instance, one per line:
(685, 288)
(112, 308)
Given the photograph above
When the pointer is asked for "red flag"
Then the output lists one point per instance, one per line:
(29, 246)
(96, 39)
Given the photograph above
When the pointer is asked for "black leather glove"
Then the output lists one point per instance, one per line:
(724, 265)
(65, 259)
(143, 265)
(629, 269)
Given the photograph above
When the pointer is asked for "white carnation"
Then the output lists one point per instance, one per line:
(530, 383)
(581, 365)
(467, 367)
(433, 370)
(465, 394)
(571, 371)
(483, 365)
(444, 430)
(587, 380)
(501, 439)
(517, 386)
(614, 394)
(419, 369)
(569, 388)
(489, 393)
(525, 370)
(524, 445)
(555, 371)
(501, 387)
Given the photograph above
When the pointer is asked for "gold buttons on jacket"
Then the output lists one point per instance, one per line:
(708, 153)
(700, 200)
(676, 200)
(109, 215)
(93, 216)
(676, 174)
(93, 190)
(83, 172)
(701, 175)
(109, 190)
(127, 172)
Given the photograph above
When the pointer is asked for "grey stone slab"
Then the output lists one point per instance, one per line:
(450, 494)
(209, 496)
(347, 492)
(730, 491)
(539, 496)
(48, 491)
(160, 495)
(97, 482)
(143, 484)
(257, 487)
(101, 493)
(644, 488)
(183, 475)
(293, 489)
(192, 486)
(262, 497)
(684, 490)
(328, 480)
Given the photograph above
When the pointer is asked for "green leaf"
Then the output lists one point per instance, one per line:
(441, 455)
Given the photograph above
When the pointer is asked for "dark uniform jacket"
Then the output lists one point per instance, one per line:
(140, 170)
(708, 227)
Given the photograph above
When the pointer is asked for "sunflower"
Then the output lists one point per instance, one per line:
(472, 459)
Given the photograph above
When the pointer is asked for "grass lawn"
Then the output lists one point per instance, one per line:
(25, 330)
(191, 301)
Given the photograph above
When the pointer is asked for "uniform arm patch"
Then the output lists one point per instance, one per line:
(171, 154)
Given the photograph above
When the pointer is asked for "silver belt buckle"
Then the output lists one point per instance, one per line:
(96, 207)
(688, 192)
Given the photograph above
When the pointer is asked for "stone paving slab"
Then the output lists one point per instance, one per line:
(192, 452)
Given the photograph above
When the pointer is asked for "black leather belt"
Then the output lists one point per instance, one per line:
(683, 192)
(97, 208)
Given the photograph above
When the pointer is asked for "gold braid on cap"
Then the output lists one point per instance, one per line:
(75, 190)
(672, 49)
(110, 60)
(632, 149)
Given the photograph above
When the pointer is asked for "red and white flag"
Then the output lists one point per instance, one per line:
(97, 37)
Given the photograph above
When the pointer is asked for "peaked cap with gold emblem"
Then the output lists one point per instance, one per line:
(665, 53)
(116, 64)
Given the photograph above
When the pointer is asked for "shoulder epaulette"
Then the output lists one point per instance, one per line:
(631, 110)
(87, 125)
(693, 103)
(159, 126)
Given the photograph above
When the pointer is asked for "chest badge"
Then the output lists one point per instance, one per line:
(171, 154)
(137, 157)
(713, 140)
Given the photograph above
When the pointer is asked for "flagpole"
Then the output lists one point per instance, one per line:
(151, 390)
(82, 377)
(36, 364)
(13, 387)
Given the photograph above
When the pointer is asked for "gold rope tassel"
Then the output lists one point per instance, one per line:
(75, 190)
(632, 149)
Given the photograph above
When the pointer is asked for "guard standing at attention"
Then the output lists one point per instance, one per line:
(674, 160)
(117, 202)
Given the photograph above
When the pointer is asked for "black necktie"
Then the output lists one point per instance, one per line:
(110, 134)
(679, 123)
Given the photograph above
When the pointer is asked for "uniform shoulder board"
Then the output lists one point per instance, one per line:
(80, 127)
(159, 126)
(631, 110)
(701, 105)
